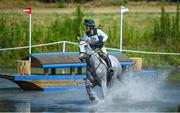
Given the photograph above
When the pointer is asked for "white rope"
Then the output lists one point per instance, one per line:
(24, 47)
(113, 49)
(6, 49)
(145, 52)
(53, 43)
(68, 42)
(71, 43)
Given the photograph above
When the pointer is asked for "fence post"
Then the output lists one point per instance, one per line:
(64, 50)
(122, 10)
(121, 24)
(64, 46)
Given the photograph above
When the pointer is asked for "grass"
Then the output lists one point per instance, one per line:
(51, 27)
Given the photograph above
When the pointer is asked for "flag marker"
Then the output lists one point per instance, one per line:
(28, 10)
(122, 10)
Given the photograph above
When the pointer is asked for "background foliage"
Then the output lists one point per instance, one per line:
(159, 32)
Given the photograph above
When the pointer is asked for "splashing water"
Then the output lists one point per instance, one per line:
(134, 90)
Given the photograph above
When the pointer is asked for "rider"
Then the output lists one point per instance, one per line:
(96, 39)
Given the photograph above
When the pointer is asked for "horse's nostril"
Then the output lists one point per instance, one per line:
(82, 57)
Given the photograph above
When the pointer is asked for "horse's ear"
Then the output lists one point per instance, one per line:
(78, 38)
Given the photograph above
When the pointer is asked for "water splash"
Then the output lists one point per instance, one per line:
(134, 94)
(134, 90)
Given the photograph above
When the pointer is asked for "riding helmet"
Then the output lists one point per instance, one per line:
(89, 23)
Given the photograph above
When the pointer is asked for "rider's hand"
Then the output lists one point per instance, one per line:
(93, 43)
(100, 44)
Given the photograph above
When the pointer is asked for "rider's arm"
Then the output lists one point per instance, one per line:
(102, 35)
(85, 37)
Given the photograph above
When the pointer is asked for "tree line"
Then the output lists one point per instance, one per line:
(113, 1)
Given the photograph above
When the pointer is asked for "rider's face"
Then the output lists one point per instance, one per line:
(88, 29)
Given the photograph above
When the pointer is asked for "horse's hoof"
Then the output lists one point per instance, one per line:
(92, 98)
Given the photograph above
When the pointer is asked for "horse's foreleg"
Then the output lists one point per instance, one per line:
(104, 88)
(89, 90)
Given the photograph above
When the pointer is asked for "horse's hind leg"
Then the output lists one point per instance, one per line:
(119, 75)
(89, 90)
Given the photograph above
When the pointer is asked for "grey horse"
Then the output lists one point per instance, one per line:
(97, 73)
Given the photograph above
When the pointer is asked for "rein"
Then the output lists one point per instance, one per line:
(88, 56)
(88, 63)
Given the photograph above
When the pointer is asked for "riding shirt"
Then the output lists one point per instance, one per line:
(96, 38)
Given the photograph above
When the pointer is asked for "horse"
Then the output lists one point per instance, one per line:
(97, 70)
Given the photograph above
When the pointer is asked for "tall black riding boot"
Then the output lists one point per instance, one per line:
(108, 62)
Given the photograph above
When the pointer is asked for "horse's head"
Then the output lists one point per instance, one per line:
(83, 50)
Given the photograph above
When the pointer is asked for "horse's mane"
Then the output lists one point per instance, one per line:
(83, 39)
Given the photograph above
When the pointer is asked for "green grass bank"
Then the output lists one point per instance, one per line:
(142, 31)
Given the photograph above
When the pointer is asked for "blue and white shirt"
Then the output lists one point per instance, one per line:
(97, 37)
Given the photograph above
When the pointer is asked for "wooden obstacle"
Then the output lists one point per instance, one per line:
(54, 82)
(50, 61)
(57, 82)
(45, 83)
(137, 63)
(40, 82)
(53, 60)
(23, 67)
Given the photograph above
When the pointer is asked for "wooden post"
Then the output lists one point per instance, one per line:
(23, 67)
(72, 71)
(46, 71)
(79, 69)
(53, 71)
(137, 63)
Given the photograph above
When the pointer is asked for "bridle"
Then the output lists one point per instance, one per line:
(87, 58)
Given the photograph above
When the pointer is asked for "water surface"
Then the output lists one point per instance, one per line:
(134, 94)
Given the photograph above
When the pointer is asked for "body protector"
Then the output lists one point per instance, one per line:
(96, 38)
